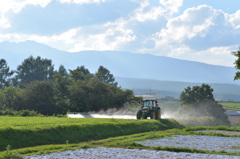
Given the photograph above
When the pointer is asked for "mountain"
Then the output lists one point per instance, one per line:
(121, 64)
(225, 92)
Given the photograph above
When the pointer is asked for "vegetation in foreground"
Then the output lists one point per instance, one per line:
(22, 132)
(127, 142)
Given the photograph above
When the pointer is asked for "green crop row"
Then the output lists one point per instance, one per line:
(33, 131)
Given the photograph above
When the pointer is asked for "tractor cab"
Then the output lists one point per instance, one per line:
(149, 107)
(149, 103)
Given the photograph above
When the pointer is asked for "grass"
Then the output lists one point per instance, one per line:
(127, 141)
(41, 122)
(231, 106)
(22, 132)
(224, 128)
(25, 136)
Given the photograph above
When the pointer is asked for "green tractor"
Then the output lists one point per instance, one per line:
(149, 108)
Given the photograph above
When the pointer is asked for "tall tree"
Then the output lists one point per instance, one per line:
(62, 71)
(11, 97)
(199, 101)
(80, 73)
(237, 64)
(61, 83)
(34, 69)
(104, 75)
(94, 95)
(5, 74)
(40, 97)
(197, 94)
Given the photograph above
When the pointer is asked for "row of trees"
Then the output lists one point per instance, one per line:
(38, 69)
(35, 85)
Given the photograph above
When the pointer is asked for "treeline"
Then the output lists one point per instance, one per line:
(36, 86)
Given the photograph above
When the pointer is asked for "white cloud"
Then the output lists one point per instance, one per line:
(193, 22)
(171, 6)
(198, 29)
(235, 19)
(152, 14)
(16, 6)
(201, 33)
(63, 41)
(214, 55)
(82, 1)
(111, 36)
(146, 11)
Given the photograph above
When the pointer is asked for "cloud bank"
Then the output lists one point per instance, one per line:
(200, 33)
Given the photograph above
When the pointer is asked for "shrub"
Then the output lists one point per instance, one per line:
(24, 113)
(28, 113)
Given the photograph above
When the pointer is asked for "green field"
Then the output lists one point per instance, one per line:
(231, 106)
(24, 136)
(46, 122)
(20, 132)
(126, 141)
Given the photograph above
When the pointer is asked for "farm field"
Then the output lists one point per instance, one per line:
(22, 132)
(231, 106)
(46, 122)
(141, 144)
(27, 136)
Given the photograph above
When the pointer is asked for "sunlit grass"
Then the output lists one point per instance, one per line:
(22, 132)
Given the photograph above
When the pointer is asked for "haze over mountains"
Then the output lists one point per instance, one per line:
(126, 66)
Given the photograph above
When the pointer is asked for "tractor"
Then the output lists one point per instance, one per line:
(149, 108)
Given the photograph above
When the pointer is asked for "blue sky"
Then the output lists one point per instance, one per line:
(197, 30)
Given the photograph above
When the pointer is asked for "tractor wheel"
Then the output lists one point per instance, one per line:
(139, 114)
(152, 115)
(158, 114)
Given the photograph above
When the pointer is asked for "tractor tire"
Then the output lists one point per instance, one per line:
(158, 114)
(139, 114)
(152, 115)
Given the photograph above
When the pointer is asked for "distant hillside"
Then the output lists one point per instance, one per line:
(121, 64)
(226, 92)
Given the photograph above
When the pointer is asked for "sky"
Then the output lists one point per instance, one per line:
(197, 30)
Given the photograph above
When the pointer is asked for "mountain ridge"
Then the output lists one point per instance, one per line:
(122, 64)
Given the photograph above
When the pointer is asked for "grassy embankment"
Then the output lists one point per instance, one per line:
(128, 141)
(22, 132)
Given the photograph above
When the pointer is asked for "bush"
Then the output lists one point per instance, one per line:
(8, 112)
(24, 113)
(27, 113)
